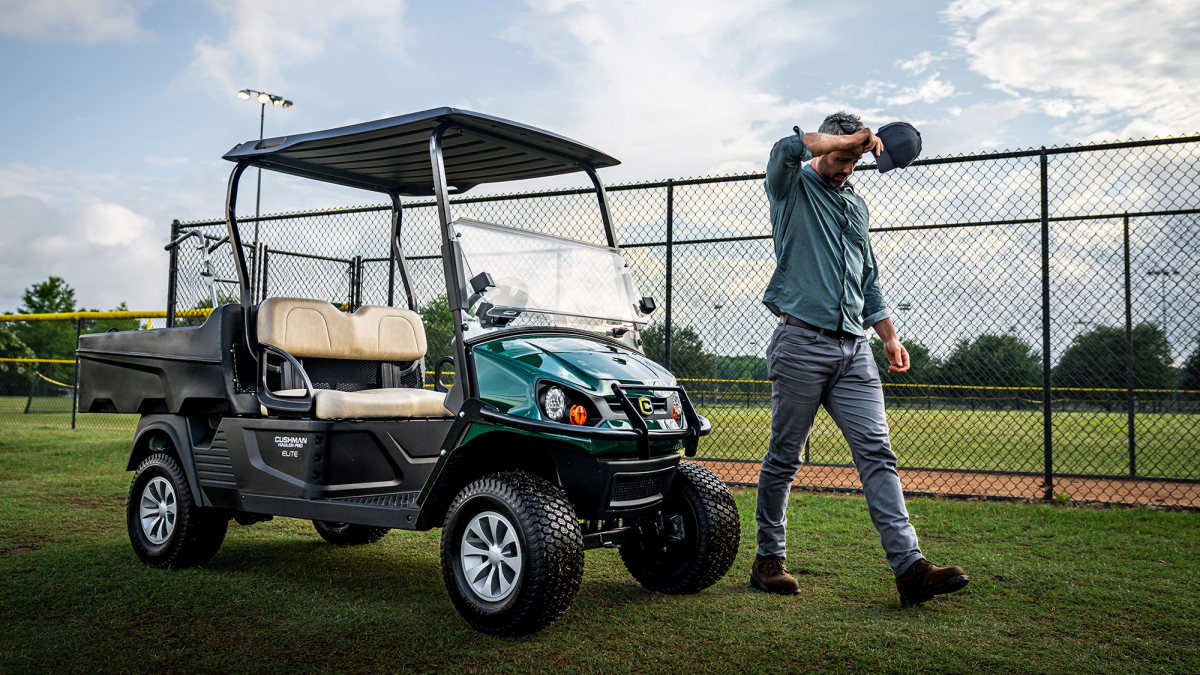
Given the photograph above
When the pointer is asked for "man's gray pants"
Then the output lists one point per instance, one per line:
(806, 370)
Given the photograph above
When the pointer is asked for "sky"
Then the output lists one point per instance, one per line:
(114, 114)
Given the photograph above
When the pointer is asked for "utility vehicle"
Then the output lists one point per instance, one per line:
(557, 434)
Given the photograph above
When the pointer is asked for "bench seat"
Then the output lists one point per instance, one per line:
(373, 403)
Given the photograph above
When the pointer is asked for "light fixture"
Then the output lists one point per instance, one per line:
(277, 100)
(288, 104)
(244, 94)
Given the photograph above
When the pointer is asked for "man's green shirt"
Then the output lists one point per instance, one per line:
(825, 272)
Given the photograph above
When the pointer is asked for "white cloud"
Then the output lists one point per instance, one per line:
(679, 85)
(1122, 67)
(103, 233)
(81, 21)
(931, 90)
(919, 63)
(266, 37)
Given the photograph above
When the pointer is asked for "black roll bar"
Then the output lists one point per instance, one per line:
(239, 256)
(451, 258)
(398, 254)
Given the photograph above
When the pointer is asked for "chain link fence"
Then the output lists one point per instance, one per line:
(39, 373)
(1046, 298)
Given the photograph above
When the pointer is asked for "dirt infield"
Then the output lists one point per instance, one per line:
(969, 483)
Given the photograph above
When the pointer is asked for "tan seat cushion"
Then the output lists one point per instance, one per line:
(312, 328)
(374, 403)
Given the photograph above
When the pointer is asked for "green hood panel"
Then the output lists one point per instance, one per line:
(508, 369)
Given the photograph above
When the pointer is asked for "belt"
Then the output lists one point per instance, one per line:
(793, 321)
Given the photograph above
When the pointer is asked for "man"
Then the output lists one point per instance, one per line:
(825, 290)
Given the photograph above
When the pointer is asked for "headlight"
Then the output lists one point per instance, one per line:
(554, 403)
(675, 408)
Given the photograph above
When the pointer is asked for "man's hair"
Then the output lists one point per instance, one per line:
(841, 123)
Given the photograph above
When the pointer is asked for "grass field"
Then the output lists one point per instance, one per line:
(1168, 445)
(1001, 440)
(1054, 590)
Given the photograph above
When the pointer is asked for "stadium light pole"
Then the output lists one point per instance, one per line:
(263, 99)
(1162, 274)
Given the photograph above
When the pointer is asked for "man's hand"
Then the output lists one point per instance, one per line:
(897, 355)
(867, 141)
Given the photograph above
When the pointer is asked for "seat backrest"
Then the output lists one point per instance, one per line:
(312, 328)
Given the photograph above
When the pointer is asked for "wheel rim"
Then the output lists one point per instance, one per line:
(491, 556)
(158, 510)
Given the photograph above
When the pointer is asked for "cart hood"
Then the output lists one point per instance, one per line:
(509, 368)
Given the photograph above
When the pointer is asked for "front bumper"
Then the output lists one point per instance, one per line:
(614, 488)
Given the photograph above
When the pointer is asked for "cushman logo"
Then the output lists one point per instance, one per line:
(645, 406)
(291, 441)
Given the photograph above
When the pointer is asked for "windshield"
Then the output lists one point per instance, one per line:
(543, 280)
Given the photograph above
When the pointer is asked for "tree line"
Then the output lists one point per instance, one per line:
(1095, 359)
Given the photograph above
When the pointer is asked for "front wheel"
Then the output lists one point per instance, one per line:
(692, 541)
(512, 553)
(346, 534)
(166, 527)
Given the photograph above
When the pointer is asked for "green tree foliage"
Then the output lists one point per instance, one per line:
(689, 361)
(52, 296)
(1190, 374)
(744, 367)
(993, 361)
(923, 368)
(49, 339)
(14, 376)
(1096, 358)
(439, 329)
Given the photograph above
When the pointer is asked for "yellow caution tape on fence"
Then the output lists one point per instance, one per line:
(69, 386)
(98, 316)
(976, 387)
(38, 360)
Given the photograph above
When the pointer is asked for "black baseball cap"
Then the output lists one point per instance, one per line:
(901, 145)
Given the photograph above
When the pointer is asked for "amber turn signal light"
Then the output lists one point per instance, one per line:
(675, 412)
(578, 414)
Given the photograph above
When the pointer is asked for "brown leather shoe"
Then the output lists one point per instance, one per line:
(923, 580)
(768, 574)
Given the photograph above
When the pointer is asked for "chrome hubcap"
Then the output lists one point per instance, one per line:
(158, 510)
(491, 556)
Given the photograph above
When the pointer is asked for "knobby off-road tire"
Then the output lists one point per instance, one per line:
(537, 569)
(711, 535)
(345, 534)
(180, 533)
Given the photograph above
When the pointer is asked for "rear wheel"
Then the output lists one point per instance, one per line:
(166, 527)
(346, 534)
(512, 553)
(692, 541)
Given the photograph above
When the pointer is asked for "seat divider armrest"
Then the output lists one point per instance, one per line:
(272, 402)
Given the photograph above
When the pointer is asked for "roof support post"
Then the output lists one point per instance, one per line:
(455, 284)
(602, 196)
(397, 255)
(239, 255)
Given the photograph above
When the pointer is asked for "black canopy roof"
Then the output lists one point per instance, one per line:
(393, 154)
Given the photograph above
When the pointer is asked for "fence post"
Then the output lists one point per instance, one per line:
(670, 270)
(1129, 399)
(75, 380)
(1047, 417)
(172, 274)
(265, 268)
